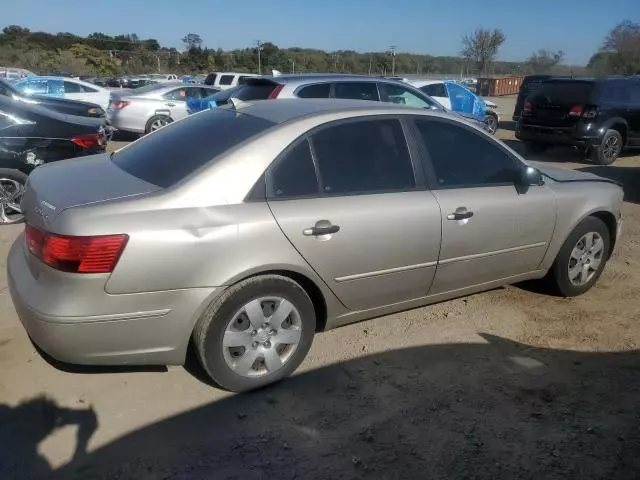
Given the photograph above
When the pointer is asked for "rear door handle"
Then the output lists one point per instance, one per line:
(459, 215)
(320, 230)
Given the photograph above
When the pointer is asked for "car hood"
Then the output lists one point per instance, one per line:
(564, 175)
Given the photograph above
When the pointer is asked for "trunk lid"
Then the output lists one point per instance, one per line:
(55, 187)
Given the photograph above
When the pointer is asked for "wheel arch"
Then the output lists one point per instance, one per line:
(620, 125)
(609, 220)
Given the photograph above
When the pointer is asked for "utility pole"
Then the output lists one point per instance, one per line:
(393, 60)
(259, 46)
(370, 64)
(293, 65)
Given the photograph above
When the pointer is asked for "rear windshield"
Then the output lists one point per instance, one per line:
(255, 91)
(562, 92)
(171, 154)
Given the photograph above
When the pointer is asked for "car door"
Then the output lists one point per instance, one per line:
(439, 92)
(349, 200)
(490, 231)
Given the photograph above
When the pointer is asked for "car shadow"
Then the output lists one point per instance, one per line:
(508, 125)
(492, 410)
(628, 177)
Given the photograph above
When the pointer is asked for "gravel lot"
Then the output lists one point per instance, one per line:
(512, 383)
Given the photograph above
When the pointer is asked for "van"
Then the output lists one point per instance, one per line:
(226, 80)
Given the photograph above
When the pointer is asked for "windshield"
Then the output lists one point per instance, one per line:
(7, 89)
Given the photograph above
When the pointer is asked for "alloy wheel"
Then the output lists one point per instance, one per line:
(611, 147)
(158, 124)
(492, 124)
(586, 257)
(11, 192)
(262, 336)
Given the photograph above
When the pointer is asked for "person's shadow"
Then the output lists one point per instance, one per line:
(24, 426)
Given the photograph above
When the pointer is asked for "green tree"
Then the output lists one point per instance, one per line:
(482, 47)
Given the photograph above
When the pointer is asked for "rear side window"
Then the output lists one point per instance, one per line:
(435, 90)
(211, 79)
(255, 91)
(462, 158)
(616, 92)
(357, 91)
(321, 90)
(293, 175)
(360, 157)
(169, 155)
(179, 94)
(70, 87)
(226, 79)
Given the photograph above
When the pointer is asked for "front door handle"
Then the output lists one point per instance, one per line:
(323, 227)
(460, 215)
(170, 104)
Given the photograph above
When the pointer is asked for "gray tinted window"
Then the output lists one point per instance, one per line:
(255, 91)
(70, 87)
(179, 94)
(226, 79)
(435, 90)
(171, 154)
(321, 90)
(357, 91)
(462, 158)
(363, 156)
(293, 175)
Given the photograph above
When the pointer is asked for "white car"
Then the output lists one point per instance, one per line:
(438, 90)
(163, 77)
(66, 87)
(226, 80)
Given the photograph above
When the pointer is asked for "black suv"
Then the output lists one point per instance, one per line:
(601, 116)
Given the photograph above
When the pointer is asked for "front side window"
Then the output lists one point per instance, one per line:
(321, 90)
(293, 175)
(226, 79)
(435, 90)
(357, 91)
(369, 156)
(70, 87)
(179, 94)
(462, 158)
(403, 96)
(36, 87)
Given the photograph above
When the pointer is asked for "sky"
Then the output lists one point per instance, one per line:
(578, 27)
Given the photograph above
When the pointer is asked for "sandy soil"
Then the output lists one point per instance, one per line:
(509, 384)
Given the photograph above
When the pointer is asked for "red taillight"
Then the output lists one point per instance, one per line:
(527, 107)
(275, 92)
(120, 104)
(76, 254)
(575, 111)
(89, 140)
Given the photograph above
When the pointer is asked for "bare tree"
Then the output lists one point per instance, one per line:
(623, 45)
(482, 47)
(543, 61)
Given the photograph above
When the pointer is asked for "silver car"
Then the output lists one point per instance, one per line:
(246, 231)
(149, 108)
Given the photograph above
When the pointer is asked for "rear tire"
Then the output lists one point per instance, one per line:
(535, 147)
(241, 343)
(574, 271)
(13, 184)
(491, 120)
(157, 122)
(609, 149)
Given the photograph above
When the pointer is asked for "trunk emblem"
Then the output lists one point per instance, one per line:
(43, 208)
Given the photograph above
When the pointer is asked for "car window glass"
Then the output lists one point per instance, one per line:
(357, 91)
(179, 94)
(363, 156)
(87, 89)
(242, 79)
(36, 87)
(294, 175)
(160, 158)
(193, 92)
(462, 158)
(321, 90)
(70, 87)
(403, 96)
(435, 90)
(617, 92)
(226, 79)
(634, 91)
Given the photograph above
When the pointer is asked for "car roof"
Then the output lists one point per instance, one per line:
(286, 110)
(422, 83)
(300, 79)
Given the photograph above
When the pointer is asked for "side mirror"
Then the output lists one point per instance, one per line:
(528, 177)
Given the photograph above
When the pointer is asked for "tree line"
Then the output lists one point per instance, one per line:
(106, 55)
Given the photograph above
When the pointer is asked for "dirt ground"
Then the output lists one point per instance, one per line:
(509, 384)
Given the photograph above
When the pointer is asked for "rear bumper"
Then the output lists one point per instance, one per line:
(124, 122)
(75, 321)
(583, 136)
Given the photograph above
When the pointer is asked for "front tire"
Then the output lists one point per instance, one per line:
(12, 186)
(256, 333)
(582, 258)
(609, 149)
(491, 120)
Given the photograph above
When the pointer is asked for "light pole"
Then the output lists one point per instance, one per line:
(259, 46)
(393, 60)
(293, 65)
